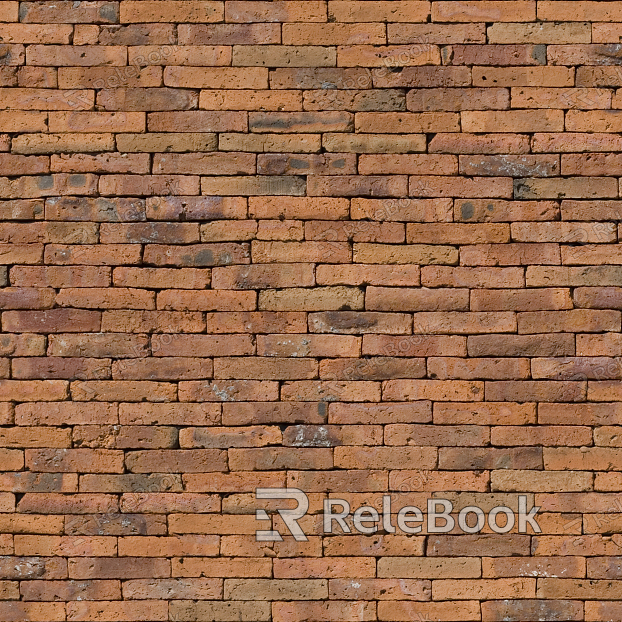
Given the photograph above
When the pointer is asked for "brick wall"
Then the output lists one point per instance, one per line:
(356, 248)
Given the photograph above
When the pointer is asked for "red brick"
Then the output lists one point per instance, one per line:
(478, 143)
(224, 391)
(451, 390)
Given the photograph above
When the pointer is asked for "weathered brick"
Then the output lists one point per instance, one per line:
(371, 253)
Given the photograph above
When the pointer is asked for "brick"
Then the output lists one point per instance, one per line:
(259, 321)
(335, 567)
(320, 299)
(492, 544)
(483, 11)
(25, 298)
(436, 33)
(376, 56)
(286, 164)
(373, 369)
(102, 77)
(148, 185)
(476, 187)
(519, 121)
(65, 143)
(443, 99)
(22, 210)
(98, 345)
(230, 610)
(59, 183)
(118, 568)
(394, 299)
(575, 142)
(151, 322)
(228, 34)
(571, 187)
(542, 32)
(560, 98)
(194, 461)
(283, 56)
(41, 33)
(197, 121)
(569, 276)
(510, 254)
(590, 255)
(515, 609)
(196, 256)
(216, 77)
(22, 345)
(415, 253)
(33, 390)
(597, 297)
(465, 369)
(41, 99)
(59, 55)
(495, 55)
(249, 186)
(520, 345)
(373, 143)
(250, 100)
(332, 34)
(536, 390)
(561, 321)
(168, 414)
(241, 12)
(71, 590)
(155, 142)
(356, 100)
(56, 545)
(397, 610)
(233, 390)
(523, 76)
(299, 143)
(221, 300)
(358, 232)
(58, 368)
(105, 163)
(324, 610)
(269, 458)
(477, 143)
(34, 611)
(401, 122)
(412, 390)
(415, 345)
(277, 369)
(136, 233)
(162, 278)
(551, 10)
(119, 390)
(128, 483)
(196, 11)
(358, 185)
(169, 368)
(177, 588)
(516, 166)
(312, 391)
(178, 55)
(311, 345)
(349, 322)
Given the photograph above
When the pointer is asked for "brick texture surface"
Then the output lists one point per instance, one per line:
(359, 248)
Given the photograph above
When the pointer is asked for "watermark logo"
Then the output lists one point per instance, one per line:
(367, 520)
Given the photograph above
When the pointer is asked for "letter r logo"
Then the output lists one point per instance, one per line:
(290, 517)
